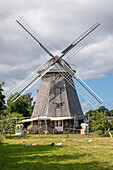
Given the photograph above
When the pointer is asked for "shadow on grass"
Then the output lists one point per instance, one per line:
(16, 136)
(65, 166)
(18, 156)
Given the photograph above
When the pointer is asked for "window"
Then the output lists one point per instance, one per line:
(40, 124)
(57, 91)
(66, 123)
(76, 123)
(51, 124)
(57, 76)
(58, 123)
(58, 105)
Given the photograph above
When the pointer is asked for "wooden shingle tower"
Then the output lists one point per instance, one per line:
(56, 96)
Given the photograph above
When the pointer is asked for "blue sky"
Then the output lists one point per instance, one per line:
(59, 22)
(103, 87)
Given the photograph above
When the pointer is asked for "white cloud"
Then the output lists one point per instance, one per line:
(97, 60)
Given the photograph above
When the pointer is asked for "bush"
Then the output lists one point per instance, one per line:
(100, 132)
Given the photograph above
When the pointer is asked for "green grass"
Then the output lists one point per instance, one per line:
(75, 154)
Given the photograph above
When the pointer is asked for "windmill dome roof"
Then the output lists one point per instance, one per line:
(57, 67)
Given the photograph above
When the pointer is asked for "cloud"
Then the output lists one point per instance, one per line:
(60, 23)
(96, 61)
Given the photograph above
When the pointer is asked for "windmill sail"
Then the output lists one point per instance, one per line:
(80, 42)
(33, 33)
(28, 82)
(87, 92)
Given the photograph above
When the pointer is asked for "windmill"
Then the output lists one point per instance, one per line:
(57, 101)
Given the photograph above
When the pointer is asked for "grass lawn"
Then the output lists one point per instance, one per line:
(75, 154)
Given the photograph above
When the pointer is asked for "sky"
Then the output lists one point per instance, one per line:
(59, 22)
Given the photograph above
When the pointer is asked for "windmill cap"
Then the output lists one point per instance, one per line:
(57, 68)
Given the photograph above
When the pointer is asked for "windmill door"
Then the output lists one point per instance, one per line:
(59, 126)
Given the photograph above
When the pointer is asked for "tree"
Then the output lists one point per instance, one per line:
(2, 123)
(111, 113)
(92, 114)
(101, 122)
(2, 100)
(7, 123)
(103, 109)
(11, 122)
(23, 105)
(16, 115)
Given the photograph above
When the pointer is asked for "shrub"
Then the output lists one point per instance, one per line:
(2, 138)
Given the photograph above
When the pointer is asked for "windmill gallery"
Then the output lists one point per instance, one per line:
(57, 106)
